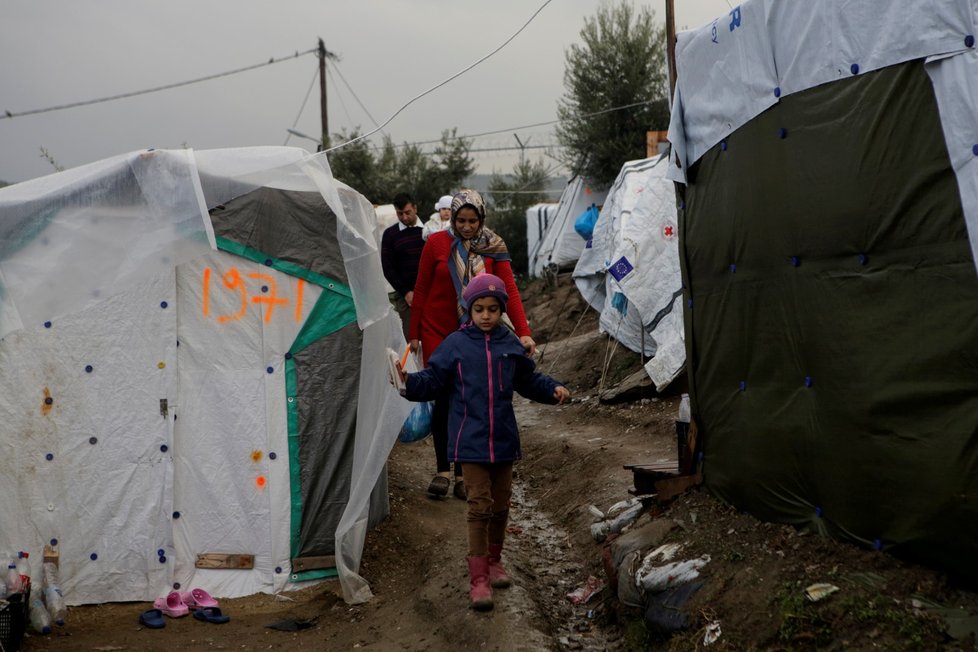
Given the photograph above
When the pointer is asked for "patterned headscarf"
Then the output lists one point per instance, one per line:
(468, 256)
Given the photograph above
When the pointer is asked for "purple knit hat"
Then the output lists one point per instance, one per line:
(485, 285)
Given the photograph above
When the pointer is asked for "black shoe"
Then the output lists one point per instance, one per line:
(439, 486)
(459, 489)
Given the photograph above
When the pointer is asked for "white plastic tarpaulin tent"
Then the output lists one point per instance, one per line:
(538, 219)
(193, 367)
(561, 246)
(630, 273)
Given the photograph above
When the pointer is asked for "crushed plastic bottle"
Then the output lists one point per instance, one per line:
(684, 413)
(40, 620)
(53, 597)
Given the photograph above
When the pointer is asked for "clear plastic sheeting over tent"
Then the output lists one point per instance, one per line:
(270, 348)
(561, 246)
(630, 273)
(828, 229)
(538, 219)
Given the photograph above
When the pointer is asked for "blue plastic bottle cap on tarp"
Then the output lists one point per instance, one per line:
(682, 204)
(162, 559)
(288, 356)
(176, 514)
(808, 381)
(743, 385)
(723, 145)
(264, 288)
(854, 68)
(795, 261)
(49, 457)
(93, 556)
(782, 133)
(969, 41)
(777, 91)
(273, 455)
(47, 324)
(863, 259)
(93, 440)
(164, 448)
(268, 262)
(176, 586)
(89, 369)
(160, 552)
(278, 569)
(689, 304)
(270, 369)
(54, 542)
(818, 512)
(163, 304)
(878, 544)
(974, 150)
(733, 269)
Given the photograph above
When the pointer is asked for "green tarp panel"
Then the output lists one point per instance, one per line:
(832, 319)
(295, 233)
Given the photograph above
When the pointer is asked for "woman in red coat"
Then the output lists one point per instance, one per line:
(449, 260)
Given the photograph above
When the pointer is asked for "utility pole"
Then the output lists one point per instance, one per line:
(670, 45)
(322, 96)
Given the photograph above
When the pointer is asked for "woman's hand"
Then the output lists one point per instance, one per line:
(529, 345)
(561, 393)
(415, 345)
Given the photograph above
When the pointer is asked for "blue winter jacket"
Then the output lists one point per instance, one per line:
(479, 371)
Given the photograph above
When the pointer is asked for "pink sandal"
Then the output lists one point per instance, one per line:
(198, 599)
(172, 605)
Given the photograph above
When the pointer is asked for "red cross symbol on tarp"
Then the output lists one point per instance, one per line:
(668, 231)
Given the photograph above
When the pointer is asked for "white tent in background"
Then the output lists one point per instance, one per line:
(538, 219)
(561, 246)
(239, 290)
(630, 274)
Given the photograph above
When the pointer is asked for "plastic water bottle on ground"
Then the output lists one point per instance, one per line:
(53, 597)
(24, 568)
(40, 620)
(12, 580)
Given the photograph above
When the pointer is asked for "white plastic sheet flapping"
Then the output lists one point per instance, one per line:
(72, 239)
(732, 69)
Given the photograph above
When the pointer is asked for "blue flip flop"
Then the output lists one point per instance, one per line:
(211, 615)
(152, 619)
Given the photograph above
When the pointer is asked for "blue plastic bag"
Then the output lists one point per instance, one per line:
(417, 426)
(584, 224)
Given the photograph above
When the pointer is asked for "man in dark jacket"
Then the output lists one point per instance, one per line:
(400, 253)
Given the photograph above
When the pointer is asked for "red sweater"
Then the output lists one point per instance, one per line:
(433, 313)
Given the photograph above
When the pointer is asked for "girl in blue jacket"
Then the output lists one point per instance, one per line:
(479, 366)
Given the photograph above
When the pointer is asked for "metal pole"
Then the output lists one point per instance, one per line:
(322, 94)
(671, 45)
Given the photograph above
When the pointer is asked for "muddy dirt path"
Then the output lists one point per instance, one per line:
(415, 561)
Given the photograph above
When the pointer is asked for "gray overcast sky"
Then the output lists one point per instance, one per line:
(56, 52)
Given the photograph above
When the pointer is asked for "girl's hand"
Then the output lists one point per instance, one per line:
(529, 345)
(561, 393)
(414, 345)
(402, 373)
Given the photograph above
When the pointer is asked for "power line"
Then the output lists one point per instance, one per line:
(349, 88)
(535, 124)
(312, 82)
(440, 84)
(11, 114)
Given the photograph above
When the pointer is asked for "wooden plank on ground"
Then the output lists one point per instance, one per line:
(300, 564)
(222, 560)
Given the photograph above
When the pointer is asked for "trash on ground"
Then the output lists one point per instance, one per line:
(712, 633)
(816, 592)
(582, 594)
(660, 578)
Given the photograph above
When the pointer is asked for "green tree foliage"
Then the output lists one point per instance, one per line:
(508, 198)
(405, 168)
(620, 61)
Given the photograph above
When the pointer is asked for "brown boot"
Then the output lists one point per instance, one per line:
(498, 577)
(480, 595)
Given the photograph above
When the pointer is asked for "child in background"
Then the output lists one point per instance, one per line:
(480, 366)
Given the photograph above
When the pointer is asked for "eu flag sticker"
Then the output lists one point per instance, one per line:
(621, 268)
